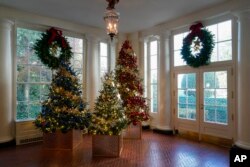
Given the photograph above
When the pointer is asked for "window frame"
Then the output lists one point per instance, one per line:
(99, 57)
(42, 29)
(207, 23)
(147, 65)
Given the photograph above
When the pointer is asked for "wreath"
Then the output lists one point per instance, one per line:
(197, 46)
(53, 48)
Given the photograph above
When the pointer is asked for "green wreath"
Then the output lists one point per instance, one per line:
(203, 44)
(47, 47)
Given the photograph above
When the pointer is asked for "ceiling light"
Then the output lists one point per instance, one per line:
(111, 18)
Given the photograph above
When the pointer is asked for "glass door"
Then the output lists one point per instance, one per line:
(186, 102)
(216, 103)
(203, 102)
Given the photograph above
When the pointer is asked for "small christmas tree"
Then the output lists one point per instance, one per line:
(130, 85)
(109, 117)
(64, 109)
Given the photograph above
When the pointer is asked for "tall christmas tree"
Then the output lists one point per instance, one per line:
(64, 109)
(109, 117)
(130, 85)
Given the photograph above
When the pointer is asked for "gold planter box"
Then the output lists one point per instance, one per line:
(62, 141)
(133, 131)
(107, 146)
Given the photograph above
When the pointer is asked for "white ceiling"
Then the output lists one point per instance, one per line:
(135, 15)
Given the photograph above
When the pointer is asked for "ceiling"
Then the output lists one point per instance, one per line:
(135, 15)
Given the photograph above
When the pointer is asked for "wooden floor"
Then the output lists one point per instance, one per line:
(153, 150)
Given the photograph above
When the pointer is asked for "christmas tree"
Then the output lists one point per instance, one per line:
(130, 85)
(64, 109)
(108, 117)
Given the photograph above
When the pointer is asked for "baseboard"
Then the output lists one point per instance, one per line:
(206, 138)
(165, 132)
(8, 144)
(145, 127)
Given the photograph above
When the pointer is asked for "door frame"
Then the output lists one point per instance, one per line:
(198, 125)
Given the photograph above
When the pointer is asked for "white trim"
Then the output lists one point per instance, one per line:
(243, 144)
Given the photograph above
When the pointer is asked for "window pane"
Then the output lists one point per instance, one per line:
(178, 61)
(182, 111)
(215, 100)
(209, 97)
(76, 44)
(103, 49)
(187, 96)
(209, 80)
(213, 30)
(191, 111)
(221, 115)
(34, 109)
(153, 48)
(34, 74)
(183, 83)
(46, 75)
(34, 92)
(225, 51)
(178, 40)
(191, 81)
(224, 31)
(154, 101)
(221, 79)
(22, 92)
(44, 91)
(33, 59)
(214, 55)
(22, 111)
(153, 62)
(22, 73)
(153, 76)
(191, 94)
(182, 96)
(104, 62)
(209, 114)
(27, 37)
(22, 55)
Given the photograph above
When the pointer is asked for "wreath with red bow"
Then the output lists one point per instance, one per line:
(53, 48)
(197, 46)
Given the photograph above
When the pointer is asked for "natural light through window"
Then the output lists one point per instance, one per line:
(103, 58)
(222, 38)
(32, 77)
(153, 54)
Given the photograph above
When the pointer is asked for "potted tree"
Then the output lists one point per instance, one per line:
(108, 121)
(131, 90)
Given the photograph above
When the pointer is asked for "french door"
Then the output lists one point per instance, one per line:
(203, 101)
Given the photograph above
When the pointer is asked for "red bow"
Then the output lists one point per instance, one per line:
(54, 34)
(196, 27)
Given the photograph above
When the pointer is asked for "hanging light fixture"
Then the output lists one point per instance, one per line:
(111, 18)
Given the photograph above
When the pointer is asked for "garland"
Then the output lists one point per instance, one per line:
(203, 44)
(47, 47)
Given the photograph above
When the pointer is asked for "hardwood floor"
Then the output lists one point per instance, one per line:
(153, 150)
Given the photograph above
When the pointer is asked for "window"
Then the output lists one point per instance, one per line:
(103, 52)
(77, 59)
(187, 96)
(223, 43)
(151, 64)
(215, 97)
(33, 78)
(178, 61)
